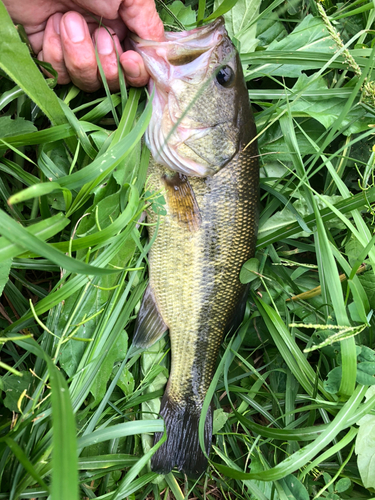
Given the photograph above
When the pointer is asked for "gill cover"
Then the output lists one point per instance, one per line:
(194, 127)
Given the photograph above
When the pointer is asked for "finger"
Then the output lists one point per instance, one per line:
(52, 48)
(106, 8)
(36, 41)
(134, 68)
(117, 26)
(141, 17)
(107, 44)
(79, 53)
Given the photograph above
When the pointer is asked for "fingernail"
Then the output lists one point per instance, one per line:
(75, 27)
(56, 23)
(132, 69)
(104, 42)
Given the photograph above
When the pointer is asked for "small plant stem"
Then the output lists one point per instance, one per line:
(336, 475)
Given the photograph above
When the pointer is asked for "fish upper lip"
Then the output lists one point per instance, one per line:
(185, 36)
(177, 46)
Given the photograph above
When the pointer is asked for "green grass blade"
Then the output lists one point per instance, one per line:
(42, 230)
(28, 466)
(120, 430)
(18, 235)
(18, 64)
(79, 130)
(345, 441)
(64, 456)
(355, 202)
(289, 350)
(301, 457)
(106, 163)
(127, 483)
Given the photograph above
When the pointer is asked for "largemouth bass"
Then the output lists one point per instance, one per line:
(200, 127)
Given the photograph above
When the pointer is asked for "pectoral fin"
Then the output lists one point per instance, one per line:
(149, 327)
(181, 200)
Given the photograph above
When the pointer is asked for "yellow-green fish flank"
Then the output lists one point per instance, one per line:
(208, 174)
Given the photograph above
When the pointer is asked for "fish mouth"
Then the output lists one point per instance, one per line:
(174, 57)
(182, 58)
(183, 45)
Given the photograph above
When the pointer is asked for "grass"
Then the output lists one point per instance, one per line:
(293, 389)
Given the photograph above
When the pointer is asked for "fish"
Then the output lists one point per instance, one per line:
(202, 138)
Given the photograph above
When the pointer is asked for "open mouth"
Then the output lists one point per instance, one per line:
(179, 49)
(182, 59)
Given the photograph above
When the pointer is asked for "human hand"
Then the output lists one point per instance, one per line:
(64, 33)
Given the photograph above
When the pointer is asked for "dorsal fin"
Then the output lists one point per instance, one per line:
(181, 200)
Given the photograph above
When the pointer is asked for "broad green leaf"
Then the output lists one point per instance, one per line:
(332, 383)
(343, 484)
(18, 126)
(362, 307)
(240, 23)
(18, 64)
(367, 280)
(366, 373)
(365, 446)
(184, 14)
(310, 35)
(273, 140)
(14, 386)
(269, 28)
(220, 417)
(285, 216)
(296, 488)
(366, 354)
(327, 110)
(126, 382)
(249, 271)
(117, 353)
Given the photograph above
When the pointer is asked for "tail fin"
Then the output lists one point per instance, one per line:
(182, 448)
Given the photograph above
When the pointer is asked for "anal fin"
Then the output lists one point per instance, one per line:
(181, 200)
(149, 327)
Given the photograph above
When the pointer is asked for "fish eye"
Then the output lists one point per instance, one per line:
(225, 76)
